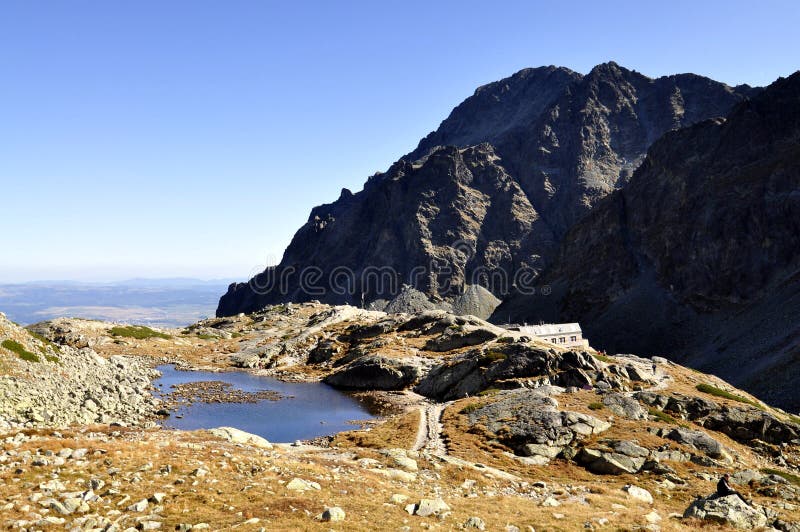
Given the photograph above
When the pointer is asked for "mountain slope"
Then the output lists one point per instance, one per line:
(490, 193)
(699, 255)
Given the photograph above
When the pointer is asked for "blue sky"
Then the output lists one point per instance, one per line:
(192, 138)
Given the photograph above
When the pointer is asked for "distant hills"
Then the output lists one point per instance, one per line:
(159, 302)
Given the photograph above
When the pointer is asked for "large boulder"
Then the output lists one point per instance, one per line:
(235, 435)
(531, 423)
(624, 406)
(622, 456)
(461, 378)
(480, 368)
(748, 424)
(375, 372)
(729, 510)
(695, 438)
(458, 336)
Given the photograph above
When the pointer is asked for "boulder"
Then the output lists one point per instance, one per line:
(323, 352)
(333, 514)
(698, 440)
(235, 435)
(523, 417)
(749, 424)
(453, 380)
(730, 510)
(401, 459)
(624, 406)
(427, 507)
(299, 484)
(375, 372)
(609, 462)
(458, 336)
(639, 494)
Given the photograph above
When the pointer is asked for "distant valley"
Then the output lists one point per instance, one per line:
(157, 302)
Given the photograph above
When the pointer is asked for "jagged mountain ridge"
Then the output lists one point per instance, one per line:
(699, 255)
(494, 188)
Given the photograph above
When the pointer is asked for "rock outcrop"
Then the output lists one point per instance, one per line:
(52, 385)
(730, 510)
(484, 200)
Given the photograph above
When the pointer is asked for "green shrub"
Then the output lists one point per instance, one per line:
(490, 357)
(19, 349)
(662, 416)
(505, 340)
(596, 406)
(44, 340)
(236, 335)
(603, 358)
(472, 407)
(719, 392)
(138, 332)
(52, 358)
(488, 391)
(792, 478)
(207, 336)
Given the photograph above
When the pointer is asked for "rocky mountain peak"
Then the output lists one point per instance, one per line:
(490, 193)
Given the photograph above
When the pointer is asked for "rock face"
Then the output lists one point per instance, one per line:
(484, 200)
(705, 237)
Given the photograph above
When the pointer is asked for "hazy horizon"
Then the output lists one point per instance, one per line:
(192, 139)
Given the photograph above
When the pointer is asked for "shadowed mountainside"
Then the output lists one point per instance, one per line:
(699, 255)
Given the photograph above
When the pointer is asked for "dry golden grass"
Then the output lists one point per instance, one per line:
(397, 431)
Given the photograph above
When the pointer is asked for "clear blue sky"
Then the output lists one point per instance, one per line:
(191, 138)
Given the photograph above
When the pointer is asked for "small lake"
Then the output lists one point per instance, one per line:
(305, 410)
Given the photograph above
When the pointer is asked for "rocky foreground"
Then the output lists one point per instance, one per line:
(495, 431)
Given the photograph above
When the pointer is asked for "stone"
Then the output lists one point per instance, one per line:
(427, 507)
(550, 502)
(199, 472)
(730, 510)
(652, 517)
(235, 435)
(698, 440)
(396, 474)
(639, 494)
(624, 406)
(610, 463)
(333, 513)
(299, 484)
(475, 522)
(139, 506)
(401, 459)
(398, 498)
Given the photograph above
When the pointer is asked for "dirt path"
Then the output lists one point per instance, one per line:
(429, 432)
